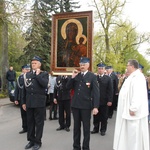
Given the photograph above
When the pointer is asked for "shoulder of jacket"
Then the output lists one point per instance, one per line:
(44, 72)
(91, 73)
(106, 76)
(21, 75)
(28, 73)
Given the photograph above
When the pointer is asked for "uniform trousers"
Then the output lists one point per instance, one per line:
(35, 123)
(149, 109)
(24, 118)
(53, 107)
(84, 116)
(113, 107)
(115, 102)
(64, 107)
(100, 120)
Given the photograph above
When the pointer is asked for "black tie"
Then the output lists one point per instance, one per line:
(34, 72)
(82, 74)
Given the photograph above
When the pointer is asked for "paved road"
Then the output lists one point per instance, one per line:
(10, 139)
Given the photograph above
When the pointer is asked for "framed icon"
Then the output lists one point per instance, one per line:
(71, 39)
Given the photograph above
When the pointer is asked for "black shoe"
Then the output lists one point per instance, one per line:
(67, 129)
(109, 116)
(55, 118)
(77, 149)
(94, 131)
(23, 131)
(102, 133)
(50, 118)
(29, 145)
(36, 147)
(60, 128)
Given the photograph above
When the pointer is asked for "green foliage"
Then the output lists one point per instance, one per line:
(115, 43)
(38, 35)
(3, 94)
(61, 6)
(117, 40)
(18, 74)
(16, 43)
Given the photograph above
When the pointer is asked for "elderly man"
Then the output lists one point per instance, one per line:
(34, 100)
(85, 98)
(131, 130)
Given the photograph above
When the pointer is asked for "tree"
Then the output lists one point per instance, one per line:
(38, 34)
(16, 24)
(118, 39)
(107, 13)
(8, 12)
(16, 43)
(3, 44)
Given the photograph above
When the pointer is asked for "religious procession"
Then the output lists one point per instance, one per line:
(81, 95)
(78, 73)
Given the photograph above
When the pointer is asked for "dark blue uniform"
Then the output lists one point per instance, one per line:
(106, 95)
(114, 79)
(18, 97)
(62, 94)
(35, 99)
(86, 97)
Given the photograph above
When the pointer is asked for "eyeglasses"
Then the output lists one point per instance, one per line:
(129, 65)
(83, 64)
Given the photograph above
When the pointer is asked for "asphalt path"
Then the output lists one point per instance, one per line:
(10, 139)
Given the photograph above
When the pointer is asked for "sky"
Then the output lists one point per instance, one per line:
(138, 12)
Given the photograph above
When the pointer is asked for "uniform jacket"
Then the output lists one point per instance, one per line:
(34, 89)
(86, 91)
(115, 83)
(106, 89)
(60, 90)
(19, 88)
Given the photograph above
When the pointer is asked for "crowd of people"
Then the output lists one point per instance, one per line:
(102, 93)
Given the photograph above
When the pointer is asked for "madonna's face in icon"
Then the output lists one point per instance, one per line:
(71, 31)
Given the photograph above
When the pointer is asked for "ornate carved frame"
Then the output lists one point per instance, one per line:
(86, 21)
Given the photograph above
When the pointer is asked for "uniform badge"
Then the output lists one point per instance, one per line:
(88, 84)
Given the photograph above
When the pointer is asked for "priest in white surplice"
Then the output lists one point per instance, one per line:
(131, 129)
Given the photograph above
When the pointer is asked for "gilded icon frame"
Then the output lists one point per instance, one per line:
(65, 55)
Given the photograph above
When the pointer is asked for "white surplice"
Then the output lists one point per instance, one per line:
(132, 132)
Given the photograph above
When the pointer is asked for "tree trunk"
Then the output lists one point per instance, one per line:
(4, 55)
(3, 46)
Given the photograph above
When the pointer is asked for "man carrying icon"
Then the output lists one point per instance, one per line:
(84, 100)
